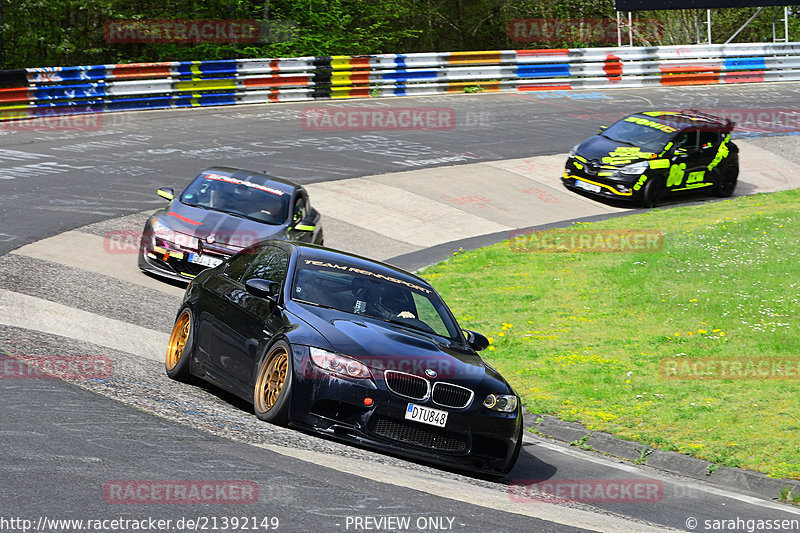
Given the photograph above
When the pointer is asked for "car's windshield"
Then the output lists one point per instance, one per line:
(338, 285)
(642, 132)
(253, 198)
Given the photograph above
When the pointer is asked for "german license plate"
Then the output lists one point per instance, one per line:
(426, 415)
(591, 187)
(205, 260)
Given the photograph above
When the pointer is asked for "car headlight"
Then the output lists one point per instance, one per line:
(339, 364)
(574, 150)
(636, 169)
(505, 403)
(162, 231)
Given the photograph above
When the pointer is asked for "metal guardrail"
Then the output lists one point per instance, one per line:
(36, 92)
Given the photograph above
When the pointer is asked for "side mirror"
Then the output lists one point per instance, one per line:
(601, 129)
(475, 340)
(306, 224)
(309, 223)
(166, 192)
(263, 288)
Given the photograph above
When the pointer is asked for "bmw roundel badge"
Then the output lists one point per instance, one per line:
(430, 373)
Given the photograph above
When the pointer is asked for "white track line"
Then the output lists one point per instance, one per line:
(23, 311)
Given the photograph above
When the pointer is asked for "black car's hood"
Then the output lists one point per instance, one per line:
(386, 346)
(597, 147)
(226, 230)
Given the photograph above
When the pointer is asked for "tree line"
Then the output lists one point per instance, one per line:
(41, 33)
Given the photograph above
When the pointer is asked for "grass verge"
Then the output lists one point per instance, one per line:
(627, 342)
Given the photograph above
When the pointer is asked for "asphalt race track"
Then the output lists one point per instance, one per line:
(408, 197)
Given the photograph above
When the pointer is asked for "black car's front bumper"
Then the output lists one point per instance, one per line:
(600, 186)
(474, 438)
(173, 265)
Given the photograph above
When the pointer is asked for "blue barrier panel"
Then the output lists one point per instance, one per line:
(409, 75)
(542, 71)
(745, 63)
(60, 92)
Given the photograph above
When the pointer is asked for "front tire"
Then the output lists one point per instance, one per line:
(179, 348)
(652, 192)
(273, 390)
(727, 182)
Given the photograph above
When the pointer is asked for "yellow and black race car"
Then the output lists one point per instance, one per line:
(648, 155)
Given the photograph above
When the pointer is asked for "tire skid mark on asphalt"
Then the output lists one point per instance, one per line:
(28, 312)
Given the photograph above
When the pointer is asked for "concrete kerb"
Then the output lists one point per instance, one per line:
(754, 483)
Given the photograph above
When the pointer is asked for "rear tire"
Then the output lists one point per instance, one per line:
(272, 395)
(652, 192)
(727, 182)
(179, 348)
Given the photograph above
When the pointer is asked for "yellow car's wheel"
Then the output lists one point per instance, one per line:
(179, 347)
(273, 388)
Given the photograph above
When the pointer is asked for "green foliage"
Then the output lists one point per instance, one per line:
(590, 337)
(70, 32)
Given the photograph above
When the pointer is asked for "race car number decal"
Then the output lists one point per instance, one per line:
(676, 173)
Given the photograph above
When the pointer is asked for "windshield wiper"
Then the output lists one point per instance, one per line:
(195, 205)
(401, 322)
(315, 304)
(617, 140)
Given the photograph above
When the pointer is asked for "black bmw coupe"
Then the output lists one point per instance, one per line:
(350, 348)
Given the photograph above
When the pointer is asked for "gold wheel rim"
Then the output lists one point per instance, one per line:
(271, 380)
(177, 341)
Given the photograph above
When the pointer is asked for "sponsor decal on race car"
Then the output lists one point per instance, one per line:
(347, 268)
(228, 179)
(184, 219)
(626, 154)
(651, 123)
